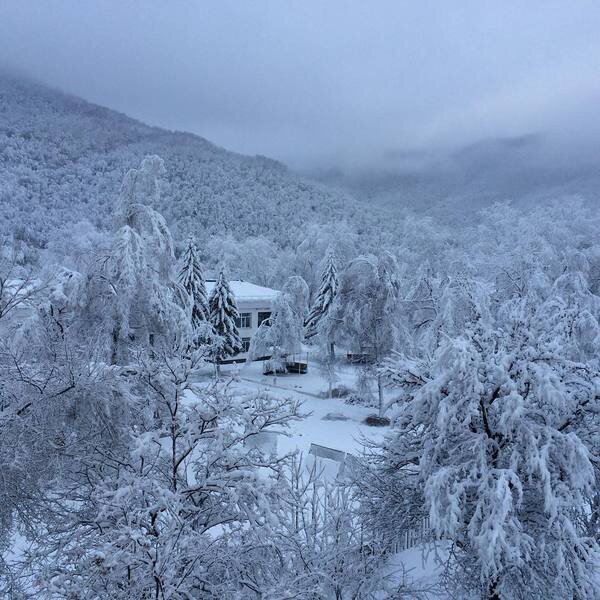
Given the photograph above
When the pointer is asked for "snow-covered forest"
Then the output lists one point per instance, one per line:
(418, 417)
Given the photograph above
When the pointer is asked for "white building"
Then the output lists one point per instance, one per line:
(254, 304)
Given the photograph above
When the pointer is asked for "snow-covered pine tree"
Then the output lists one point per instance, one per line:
(325, 297)
(192, 280)
(223, 315)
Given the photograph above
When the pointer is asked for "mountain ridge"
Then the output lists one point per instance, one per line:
(62, 160)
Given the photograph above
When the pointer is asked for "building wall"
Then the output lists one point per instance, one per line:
(248, 332)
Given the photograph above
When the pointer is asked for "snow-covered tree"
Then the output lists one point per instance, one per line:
(141, 186)
(130, 290)
(252, 258)
(191, 280)
(320, 547)
(223, 316)
(324, 299)
(494, 443)
(328, 369)
(60, 402)
(169, 513)
(280, 336)
(336, 237)
(460, 302)
(419, 306)
(365, 313)
(296, 290)
(139, 191)
(18, 289)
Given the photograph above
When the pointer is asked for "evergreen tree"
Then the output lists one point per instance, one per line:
(192, 280)
(325, 297)
(223, 315)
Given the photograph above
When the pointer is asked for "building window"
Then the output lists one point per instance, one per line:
(263, 316)
(244, 321)
(245, 344)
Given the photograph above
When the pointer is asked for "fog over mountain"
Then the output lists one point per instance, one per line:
(524, 171)
(63, 160)
(325, 85)
(422, 106)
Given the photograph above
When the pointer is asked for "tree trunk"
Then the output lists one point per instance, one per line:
(115, 346)
(380, 393)
(332, 350)
(492, 593)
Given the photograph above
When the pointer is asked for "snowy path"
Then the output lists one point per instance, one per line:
(279, 387)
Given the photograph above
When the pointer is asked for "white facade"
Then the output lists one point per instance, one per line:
(254, 304)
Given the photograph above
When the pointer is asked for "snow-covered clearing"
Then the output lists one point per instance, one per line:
(329, 422)
(332, 423)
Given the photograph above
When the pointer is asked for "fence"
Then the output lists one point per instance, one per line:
(413, 537)
(409, 538)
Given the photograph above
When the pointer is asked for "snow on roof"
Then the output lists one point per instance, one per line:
(247, 292)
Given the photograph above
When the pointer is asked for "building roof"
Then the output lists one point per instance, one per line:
(247, 292)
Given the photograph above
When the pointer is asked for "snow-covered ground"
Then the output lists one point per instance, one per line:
(333, 423)
(329, 422)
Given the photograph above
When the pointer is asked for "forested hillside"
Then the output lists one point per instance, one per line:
(62, 161)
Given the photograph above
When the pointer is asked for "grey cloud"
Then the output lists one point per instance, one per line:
(332, 83)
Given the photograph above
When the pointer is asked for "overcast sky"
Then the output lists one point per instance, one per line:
(319, 81)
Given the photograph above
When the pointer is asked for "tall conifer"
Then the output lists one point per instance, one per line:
(191, 279)
(223, 316)
(325, 296)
